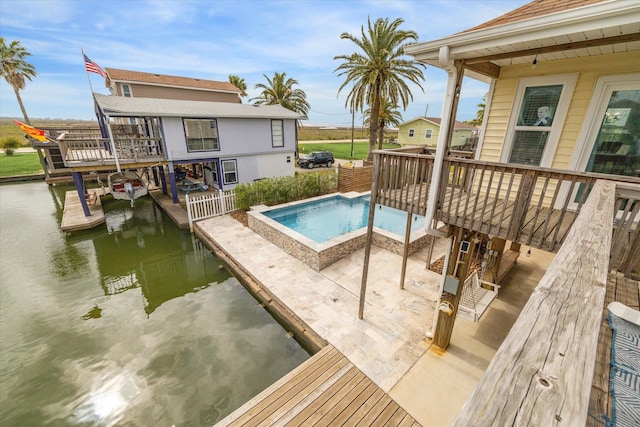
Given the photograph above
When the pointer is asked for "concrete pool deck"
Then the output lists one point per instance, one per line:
(389, 344)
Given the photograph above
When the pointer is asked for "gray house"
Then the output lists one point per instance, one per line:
(235, 143)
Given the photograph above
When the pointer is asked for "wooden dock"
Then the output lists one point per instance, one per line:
(325, 390)
(73, 218)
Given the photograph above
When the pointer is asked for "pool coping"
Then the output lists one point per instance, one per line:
(320, 255)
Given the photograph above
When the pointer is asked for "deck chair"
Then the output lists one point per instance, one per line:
(476, 297)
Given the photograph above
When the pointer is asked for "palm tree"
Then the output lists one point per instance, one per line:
(379, 70)
(238, 82)
(280, 91)
(15, 69)
(388, 115)
(480, 113)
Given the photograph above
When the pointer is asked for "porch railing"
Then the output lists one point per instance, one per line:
(98, 150)
(210, 205)
(528, 205)
(625, 249)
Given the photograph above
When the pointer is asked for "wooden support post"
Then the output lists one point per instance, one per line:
(458, 267)
(521, 204)
(172, 182)
(163, 180)
(43, 163)
(405, 252)
(491, 272)
(79, 183)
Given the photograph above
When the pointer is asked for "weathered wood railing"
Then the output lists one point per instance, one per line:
(542, 372)
(98, 150)
(625, 249)
(528, 205)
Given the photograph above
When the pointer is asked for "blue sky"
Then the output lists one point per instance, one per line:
(212, 39)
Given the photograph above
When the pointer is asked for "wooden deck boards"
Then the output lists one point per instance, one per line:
(325, 390)
(73, 218)
(626, 291)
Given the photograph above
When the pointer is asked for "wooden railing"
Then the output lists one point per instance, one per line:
(528, 205)
(625, 249)
(98, 150)
(542, 373)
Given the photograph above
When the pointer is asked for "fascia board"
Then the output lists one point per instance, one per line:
(588, 18)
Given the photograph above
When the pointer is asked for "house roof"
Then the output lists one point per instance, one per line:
(436, 121)
(120, 106)
(128, 76)
(545, 30)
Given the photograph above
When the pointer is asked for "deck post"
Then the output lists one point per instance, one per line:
(79, 183)
(154, 170)
(367, 247)
(405, 252)
(163, 180)
(172, 181)
(43, 162)
(457, 268)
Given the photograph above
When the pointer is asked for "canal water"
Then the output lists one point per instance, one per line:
(134, 323)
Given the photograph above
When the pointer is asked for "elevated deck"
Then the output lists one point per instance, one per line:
(325, 390)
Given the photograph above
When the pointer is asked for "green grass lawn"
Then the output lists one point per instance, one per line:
(19, 164)
(342, 150)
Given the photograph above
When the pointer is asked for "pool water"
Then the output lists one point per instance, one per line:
(325, 219)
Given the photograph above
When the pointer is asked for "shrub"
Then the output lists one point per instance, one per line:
(278, 190)
(10, 143)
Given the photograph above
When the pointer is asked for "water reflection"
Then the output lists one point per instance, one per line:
(132, 323)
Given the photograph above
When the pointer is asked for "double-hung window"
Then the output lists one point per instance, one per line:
(201, 134)
(230, 171)
(126, 91)
(411, 132)
(428, 133)
(277, 133)
(539, 111)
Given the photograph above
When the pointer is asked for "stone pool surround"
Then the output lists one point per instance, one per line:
(320, 255)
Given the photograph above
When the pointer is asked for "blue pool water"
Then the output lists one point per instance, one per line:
(325, 219)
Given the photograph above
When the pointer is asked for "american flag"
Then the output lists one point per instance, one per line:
(93, 67)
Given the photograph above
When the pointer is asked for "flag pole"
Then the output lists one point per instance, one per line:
(85, 68)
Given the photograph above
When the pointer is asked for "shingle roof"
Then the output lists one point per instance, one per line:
(166, 80)
(123, 106)
(534, 9)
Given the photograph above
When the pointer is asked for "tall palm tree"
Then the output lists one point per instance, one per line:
(15, 69)
(238, 82)
(379, 70)
(280, 91)
(477, 121)
(388, 115)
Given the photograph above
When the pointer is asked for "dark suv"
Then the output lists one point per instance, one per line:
(316, 158)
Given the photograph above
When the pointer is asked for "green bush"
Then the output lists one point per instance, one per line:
(275, 191)
(10, 144)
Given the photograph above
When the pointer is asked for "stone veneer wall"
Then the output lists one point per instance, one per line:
(329, 253)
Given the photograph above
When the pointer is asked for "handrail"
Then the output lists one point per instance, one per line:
(544, 368)
(526, 204)
(98, 150)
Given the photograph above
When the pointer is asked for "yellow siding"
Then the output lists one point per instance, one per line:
(420, 127)
(588, 69)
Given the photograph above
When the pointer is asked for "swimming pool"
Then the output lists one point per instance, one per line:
(325, 229)
(325, 219)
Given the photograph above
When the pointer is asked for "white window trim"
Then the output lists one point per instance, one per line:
(273, 141)
(428, 133)
(569, 84)
(224, 174)
(130, 90)
(411, 132)
(592, 122)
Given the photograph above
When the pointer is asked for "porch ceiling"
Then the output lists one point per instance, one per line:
(600, 29)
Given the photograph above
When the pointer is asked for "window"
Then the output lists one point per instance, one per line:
(428, 133)
(229, 171)
(214, 172)
(534, 127)
(411, 132)
(201, 134)
(277, 134)
(126, 91)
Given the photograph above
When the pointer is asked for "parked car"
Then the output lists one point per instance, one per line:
(316, 158)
